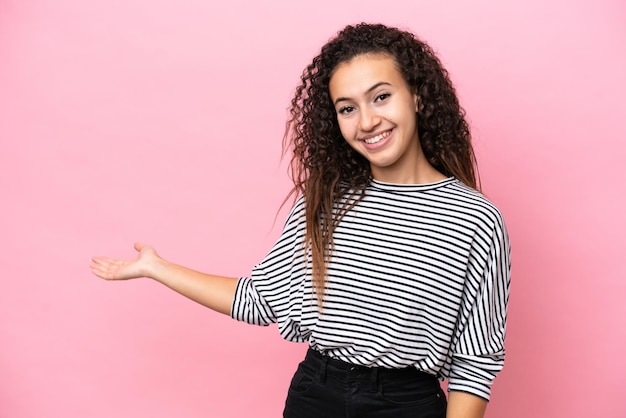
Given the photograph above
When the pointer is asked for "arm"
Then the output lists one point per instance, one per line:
(214, 292)
(465, 405)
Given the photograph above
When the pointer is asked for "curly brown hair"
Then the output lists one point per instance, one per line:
(327, 171)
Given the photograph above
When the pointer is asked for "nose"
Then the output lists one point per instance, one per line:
(369, 119)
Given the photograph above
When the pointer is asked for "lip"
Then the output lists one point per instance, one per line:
(380, 143)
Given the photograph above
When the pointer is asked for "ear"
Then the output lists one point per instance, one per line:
(418, 102)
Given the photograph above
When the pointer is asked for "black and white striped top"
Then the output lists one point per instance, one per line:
(419, 277)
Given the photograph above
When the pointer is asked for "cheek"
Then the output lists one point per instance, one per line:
(348, 133)
(347, 129)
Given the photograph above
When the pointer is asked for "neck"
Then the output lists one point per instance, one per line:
(422, 173)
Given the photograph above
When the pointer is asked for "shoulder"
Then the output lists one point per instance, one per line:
(297, 213)
(472, 204)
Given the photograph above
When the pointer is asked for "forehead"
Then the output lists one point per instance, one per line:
(362, 72)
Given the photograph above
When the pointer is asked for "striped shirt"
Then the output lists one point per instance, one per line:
(419, 277)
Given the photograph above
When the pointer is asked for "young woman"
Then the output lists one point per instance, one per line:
(392, 266)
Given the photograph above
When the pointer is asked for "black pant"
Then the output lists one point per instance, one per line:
(327, 388)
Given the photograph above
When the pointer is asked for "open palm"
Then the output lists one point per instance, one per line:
(115, 269)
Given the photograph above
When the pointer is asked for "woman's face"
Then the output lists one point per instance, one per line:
(376, 112)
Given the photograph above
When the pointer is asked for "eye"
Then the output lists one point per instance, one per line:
(381, 97)
(345, 110)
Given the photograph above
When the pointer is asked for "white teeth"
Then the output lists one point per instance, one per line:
(377, 138)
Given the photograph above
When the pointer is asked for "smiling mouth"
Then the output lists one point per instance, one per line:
(377, 138)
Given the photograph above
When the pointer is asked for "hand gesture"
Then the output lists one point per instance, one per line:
(112, 269)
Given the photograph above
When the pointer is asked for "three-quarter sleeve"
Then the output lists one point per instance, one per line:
(275, 290)
(250, 306)
(478, 354)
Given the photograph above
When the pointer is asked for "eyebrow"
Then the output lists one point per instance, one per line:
(374, 87)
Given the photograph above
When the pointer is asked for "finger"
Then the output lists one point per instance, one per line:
(96, 262)
(139, 246)
(99, 267)
(100, 271)
(101, 261)
(105, 267)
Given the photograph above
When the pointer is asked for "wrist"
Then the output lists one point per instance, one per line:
(155, 268)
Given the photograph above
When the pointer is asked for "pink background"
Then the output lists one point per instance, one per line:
(162, 121)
